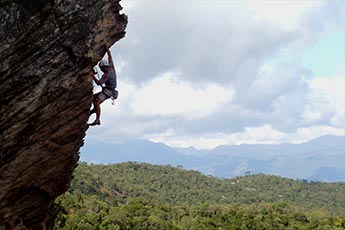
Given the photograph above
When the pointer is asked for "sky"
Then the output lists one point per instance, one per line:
(203, 73)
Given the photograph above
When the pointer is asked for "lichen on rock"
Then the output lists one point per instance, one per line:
(47, 49)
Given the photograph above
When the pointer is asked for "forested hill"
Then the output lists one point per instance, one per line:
(176, 186)
(143, 196)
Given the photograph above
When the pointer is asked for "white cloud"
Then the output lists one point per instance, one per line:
(217, 41)
(283, 13)
(305, 134)
(237, 75)
(168, 95)
(327, 100)
(251, 135)
(262, 134)
(200, 141)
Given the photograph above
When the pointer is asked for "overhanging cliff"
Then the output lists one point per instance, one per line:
(47, 48)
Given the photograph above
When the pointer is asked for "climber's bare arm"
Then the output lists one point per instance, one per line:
(94, 78)
(110, 58)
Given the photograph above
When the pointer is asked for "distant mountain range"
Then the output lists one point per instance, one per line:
(321, 159)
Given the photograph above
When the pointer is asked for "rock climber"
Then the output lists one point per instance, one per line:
(108, 82)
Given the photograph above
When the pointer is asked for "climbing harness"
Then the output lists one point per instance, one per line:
(114, 96)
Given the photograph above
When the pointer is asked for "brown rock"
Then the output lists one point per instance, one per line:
(47, 48)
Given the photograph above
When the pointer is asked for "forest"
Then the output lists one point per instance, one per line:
(142, 196)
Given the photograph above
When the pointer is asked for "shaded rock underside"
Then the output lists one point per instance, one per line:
(47, 49)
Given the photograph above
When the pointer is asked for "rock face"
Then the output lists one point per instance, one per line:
(47, 48)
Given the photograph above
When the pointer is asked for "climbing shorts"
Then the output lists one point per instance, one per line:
(102, 96)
